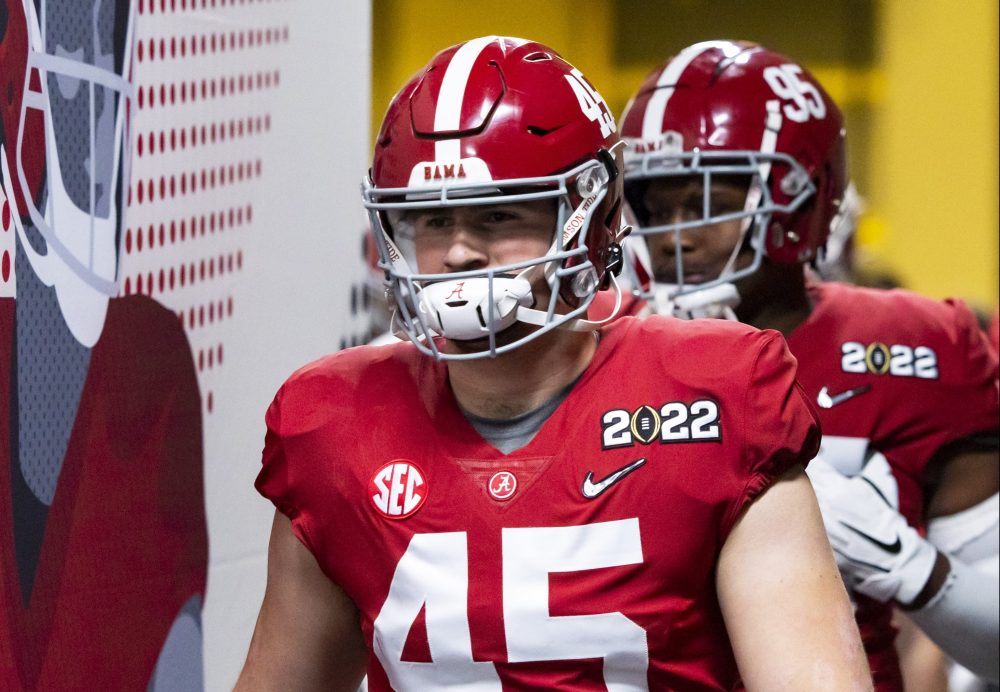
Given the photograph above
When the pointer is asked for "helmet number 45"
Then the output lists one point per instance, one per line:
(787, 85)
(591, 103)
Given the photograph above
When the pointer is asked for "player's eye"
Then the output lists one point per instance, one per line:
(720, 207)
(726, 203)
(497, 216)
(434, 221)
(688, 210)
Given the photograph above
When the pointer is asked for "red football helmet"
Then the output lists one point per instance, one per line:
(737, 108)
(496, 120)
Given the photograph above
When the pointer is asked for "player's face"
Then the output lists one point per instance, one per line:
(458, 239)
(705, 250)
(477, 237)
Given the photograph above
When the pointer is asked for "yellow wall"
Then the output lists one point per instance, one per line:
(934, 153)
(408, 33)
(921, 109)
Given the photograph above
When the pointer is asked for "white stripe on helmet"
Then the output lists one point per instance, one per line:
(448, 115)
(652, 120)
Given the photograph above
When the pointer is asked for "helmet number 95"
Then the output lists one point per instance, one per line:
(787, 85)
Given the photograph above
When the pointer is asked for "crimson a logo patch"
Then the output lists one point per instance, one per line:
(502, 485)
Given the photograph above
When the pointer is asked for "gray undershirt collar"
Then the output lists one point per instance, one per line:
(509, 434)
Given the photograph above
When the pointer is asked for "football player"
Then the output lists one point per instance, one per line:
(511, 499)
(735, 174)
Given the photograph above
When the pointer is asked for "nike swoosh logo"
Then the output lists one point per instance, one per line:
(892, 548)
(826, 401)
(591, 490)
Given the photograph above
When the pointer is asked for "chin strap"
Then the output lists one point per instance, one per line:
(716, 302)
(540, 317)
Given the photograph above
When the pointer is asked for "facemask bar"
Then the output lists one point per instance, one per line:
(61, 212)
(756, 214)
(405, 285)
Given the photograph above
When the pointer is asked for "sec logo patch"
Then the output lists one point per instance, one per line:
(398, 489)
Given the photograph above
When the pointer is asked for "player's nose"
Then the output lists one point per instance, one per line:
(467, 250)
(673, 242)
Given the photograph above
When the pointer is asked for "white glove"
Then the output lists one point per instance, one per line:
(878, 553)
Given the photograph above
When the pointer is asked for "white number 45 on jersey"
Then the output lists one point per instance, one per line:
(433, 574)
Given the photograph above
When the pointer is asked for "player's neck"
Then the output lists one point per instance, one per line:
(775, 299)
(784, 318)
(523, 379)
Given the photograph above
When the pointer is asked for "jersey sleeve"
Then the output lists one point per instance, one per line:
(277, 479)
(968, 396)
(779, 426)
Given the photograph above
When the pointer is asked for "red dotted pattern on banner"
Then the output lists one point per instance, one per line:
(197, 316)
(183, 274)
(178, 230)
(184, 91)
(180, 47)
(165, 6)
(179, 139)
(184, 131)
(148, 191)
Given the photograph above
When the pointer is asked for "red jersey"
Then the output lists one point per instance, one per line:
(993, 332)
(584, 560)
(124, 542)
(901, 374)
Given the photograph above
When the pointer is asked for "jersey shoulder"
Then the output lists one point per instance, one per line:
(679, 334)
(743, 368)
(335, 385)
(895, 313)
(702, 347)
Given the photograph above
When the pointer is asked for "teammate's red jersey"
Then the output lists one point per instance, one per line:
(901, 374)
(993, 332)
(587, 557)
(123, 545)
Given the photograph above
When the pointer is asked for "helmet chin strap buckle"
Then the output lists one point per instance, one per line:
(717, 302)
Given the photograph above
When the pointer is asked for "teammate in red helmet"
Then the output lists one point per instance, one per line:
(735, 174)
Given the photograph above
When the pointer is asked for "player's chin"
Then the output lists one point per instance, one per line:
(511, 334)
